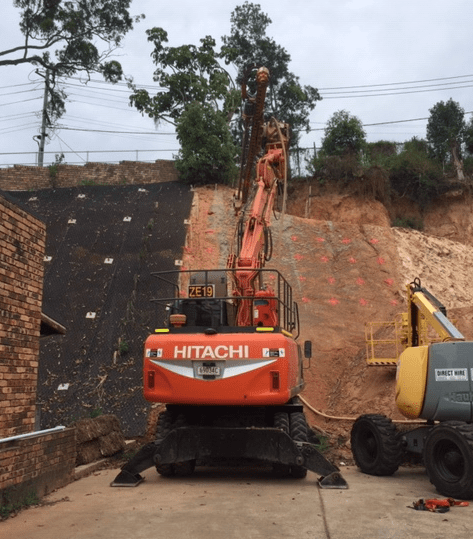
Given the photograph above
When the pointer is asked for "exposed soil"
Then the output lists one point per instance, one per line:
(348, 266)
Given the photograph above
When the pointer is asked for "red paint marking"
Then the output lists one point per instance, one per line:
(302, 278)
(352, 260)
(333, 301)
(363, 302)
(305, 300)
(320, 240)
(393, 302)
(294, 238)
(389, 281)
(331, 280)
(360, 281)
(298, 257)
(324, 258)
(381, 260)
(346, 241)
(374, 241)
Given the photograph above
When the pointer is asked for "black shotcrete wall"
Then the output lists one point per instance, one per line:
(97, 366)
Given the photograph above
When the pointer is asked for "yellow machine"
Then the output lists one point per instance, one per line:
(434, 382)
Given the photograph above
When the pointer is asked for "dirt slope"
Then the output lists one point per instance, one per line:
(347, 266)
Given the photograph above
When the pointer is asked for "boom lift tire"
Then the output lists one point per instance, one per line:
(448, 458)
(376, 445)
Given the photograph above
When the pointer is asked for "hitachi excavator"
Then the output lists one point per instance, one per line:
(227, 364)
(434, 383)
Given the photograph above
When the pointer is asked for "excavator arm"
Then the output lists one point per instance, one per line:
(271, 170)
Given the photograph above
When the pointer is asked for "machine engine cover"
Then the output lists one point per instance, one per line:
(449, 391)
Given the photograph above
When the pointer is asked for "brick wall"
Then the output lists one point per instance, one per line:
(22, 244)
(37, 464)
(22, 178)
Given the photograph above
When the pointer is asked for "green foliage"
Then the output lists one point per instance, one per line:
(445, 129)
(248, 44)
(379, 153)
(123, 347)
(96, 412)
(11, 502)
(63, 37)
(413, 174)
(334, 168)
(207, 154)
(408, 222)
(187, 73)
(468, 136)
(323, 444)
(344, 134)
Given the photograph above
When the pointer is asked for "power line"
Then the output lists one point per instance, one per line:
(114, 132)
(396, 83)
(350, 96)
(384, 123)
(22, 92)
(18, 85)
(22, 101)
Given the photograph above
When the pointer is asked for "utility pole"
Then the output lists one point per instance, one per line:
(44, 122)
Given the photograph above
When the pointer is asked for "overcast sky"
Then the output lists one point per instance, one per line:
(383, 61)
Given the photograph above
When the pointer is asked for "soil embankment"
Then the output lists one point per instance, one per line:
(347, 267)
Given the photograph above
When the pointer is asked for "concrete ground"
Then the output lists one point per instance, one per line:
(235, 503)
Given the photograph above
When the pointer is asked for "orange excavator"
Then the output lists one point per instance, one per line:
(227, 363)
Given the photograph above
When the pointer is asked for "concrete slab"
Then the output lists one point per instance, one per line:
(236, 503)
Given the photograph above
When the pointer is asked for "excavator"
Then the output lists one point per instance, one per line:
(434, 388)
(227, 364)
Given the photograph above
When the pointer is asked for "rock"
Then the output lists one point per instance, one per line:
(97, 438)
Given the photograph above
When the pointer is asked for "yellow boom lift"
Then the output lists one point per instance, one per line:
(434, 383)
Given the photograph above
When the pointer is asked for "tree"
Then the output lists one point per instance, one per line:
(445, 132)
(207, 153)
(61, 39)
(343, 134)
(197, 97)
(413, 174)
(186, 74)
(468, 137)
(248, 44)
